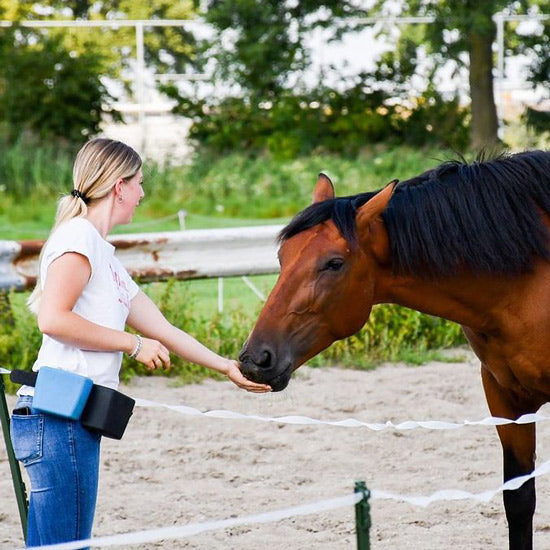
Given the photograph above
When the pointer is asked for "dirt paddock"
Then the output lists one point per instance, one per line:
(171, 469)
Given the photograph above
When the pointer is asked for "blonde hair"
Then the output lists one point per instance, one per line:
(99, 164)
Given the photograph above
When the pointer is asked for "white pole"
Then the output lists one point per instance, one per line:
(499, 95)
(181, 216)
(220, 294)
(140, 82)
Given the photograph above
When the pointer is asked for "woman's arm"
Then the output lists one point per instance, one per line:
(146, 318)
(66, 279)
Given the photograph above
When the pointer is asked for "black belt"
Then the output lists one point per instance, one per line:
(107, 411)
(23, 377)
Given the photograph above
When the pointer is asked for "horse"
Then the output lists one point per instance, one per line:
(465, 242)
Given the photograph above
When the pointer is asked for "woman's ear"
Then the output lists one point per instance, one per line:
(118, 188)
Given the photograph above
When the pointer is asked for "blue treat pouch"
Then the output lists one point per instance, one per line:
(61, 393)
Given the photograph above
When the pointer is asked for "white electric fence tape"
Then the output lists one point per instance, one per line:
(178, 532)
(348, 422)
(455, 494)
(154, 535)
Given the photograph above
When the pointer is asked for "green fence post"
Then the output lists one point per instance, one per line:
(362, 517)
(18, 484)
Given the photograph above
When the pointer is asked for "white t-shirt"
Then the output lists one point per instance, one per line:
(105, 301)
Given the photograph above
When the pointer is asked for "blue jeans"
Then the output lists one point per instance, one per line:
(62, 461)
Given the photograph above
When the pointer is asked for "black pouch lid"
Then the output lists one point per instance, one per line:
(107, 412)
(24, 377)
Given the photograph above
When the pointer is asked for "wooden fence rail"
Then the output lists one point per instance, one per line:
(190, 254)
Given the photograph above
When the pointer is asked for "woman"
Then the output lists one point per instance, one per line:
(83, 299)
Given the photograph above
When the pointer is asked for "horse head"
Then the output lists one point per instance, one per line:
(325, 290)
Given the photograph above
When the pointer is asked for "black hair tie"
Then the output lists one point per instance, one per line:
(76, 193)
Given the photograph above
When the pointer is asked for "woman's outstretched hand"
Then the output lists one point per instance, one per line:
(234, 374)
(153, 354)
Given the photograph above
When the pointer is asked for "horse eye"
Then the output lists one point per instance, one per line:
(335, 264)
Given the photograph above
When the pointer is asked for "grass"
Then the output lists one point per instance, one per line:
(223, 192)
(202, 294)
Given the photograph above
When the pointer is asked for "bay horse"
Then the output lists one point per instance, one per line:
(466, 242)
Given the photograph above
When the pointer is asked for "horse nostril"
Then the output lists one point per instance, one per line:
(257, 357)
(265, 359)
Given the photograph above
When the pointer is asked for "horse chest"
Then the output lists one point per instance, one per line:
(521, 366)
(524, 375)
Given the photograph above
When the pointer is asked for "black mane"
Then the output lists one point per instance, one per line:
(485, 216)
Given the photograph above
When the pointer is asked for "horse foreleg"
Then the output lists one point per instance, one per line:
(518, 446)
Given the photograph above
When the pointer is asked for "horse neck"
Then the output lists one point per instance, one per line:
(466, 298)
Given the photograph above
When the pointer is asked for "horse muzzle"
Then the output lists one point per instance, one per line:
(262, 365)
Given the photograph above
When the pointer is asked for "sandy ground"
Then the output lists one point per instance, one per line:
(171, 469)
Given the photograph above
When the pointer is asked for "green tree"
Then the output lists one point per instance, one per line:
(260, 44)
(52, 81)
(261, 58)
(49, 92)
(461, 27)
(168, 49)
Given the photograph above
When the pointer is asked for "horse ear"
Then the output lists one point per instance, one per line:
(324, 190)
(375, 206)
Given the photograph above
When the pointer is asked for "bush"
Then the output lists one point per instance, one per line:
(32, 166)
(322, 121)
(19, 336)
(435, 121)
(212, 186)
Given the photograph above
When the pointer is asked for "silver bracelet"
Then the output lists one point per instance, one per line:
(137, 349)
